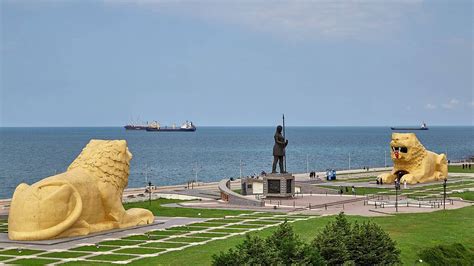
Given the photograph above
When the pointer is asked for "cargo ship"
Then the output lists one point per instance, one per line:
(135, 127)
(185, 127)
(423, 127)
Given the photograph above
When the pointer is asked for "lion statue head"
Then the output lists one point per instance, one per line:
(406, 149)
(109, 160)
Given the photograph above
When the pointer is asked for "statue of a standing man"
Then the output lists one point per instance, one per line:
(279, 150)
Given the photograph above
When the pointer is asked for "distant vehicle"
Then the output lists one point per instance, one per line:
(330, 174)
(423, 127)
(185, 127)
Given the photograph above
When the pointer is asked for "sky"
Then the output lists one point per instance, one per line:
(236, 63)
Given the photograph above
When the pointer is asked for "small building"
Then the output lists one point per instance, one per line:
(251, 186)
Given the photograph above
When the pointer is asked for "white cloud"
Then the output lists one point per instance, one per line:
(453, 103)
(430, 106)
(296, 19)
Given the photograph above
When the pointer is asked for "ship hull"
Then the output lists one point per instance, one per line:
(129, 127)
(170, 129)
(408, 128)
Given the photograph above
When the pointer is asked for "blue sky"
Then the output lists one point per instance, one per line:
(102, 63)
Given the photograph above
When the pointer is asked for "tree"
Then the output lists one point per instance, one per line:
(366, 244)
(252, 251)
(283, 247)
(331, 242)
(285, 244)
(371, 245)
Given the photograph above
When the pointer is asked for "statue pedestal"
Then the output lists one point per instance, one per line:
(279, 185)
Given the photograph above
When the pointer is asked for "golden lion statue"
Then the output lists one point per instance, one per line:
(413, 161)
(87, 198)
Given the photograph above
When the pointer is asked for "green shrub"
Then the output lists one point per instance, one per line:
(252, 251)
(367, 244)
(332, 242)
(370, 245)
(454, 254)
(283, 247)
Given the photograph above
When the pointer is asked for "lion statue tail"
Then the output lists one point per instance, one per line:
(31, 216)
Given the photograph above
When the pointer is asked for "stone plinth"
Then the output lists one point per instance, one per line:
(279, 185)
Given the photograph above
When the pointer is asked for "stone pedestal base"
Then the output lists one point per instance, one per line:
(279, 185)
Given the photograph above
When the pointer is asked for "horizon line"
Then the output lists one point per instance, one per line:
(115, 126)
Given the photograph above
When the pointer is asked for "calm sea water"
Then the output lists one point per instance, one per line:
(30, 154)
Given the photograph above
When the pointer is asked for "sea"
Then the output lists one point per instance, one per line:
(212, 153)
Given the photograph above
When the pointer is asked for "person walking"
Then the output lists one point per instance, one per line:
(353, 191)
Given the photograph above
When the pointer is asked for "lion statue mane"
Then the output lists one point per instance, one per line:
(413, 162)
(87, 198)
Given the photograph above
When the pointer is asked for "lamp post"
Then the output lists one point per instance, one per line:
(196, 169)
(349, 161)
(385, 158)
(149, 192)
(397, 187)
(444, 196)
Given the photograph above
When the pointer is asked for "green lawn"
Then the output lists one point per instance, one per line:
(412, 232)
(159, 210)
(64, 254)
(360, 190)
(140, 250)
(144, 237)
(20, 252)
(464, 195)
(111, 257)
(458, 169)
(32, 261)
(93, 248)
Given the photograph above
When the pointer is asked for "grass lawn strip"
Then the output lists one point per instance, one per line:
(138, 251)
(465, 195)
(2, 258)
(165, 233)
(186, 239)
(258, 222)
(210, 235)
(187, 228)
(226, 230)
(157, 208)
(165, 245)
(112, 257)
(20, 252)
(222, 221)
(206, 225)
(144, 237)
(93, 248)
(63, 254)
(243, 226)
(32, 261)
(118, 242)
